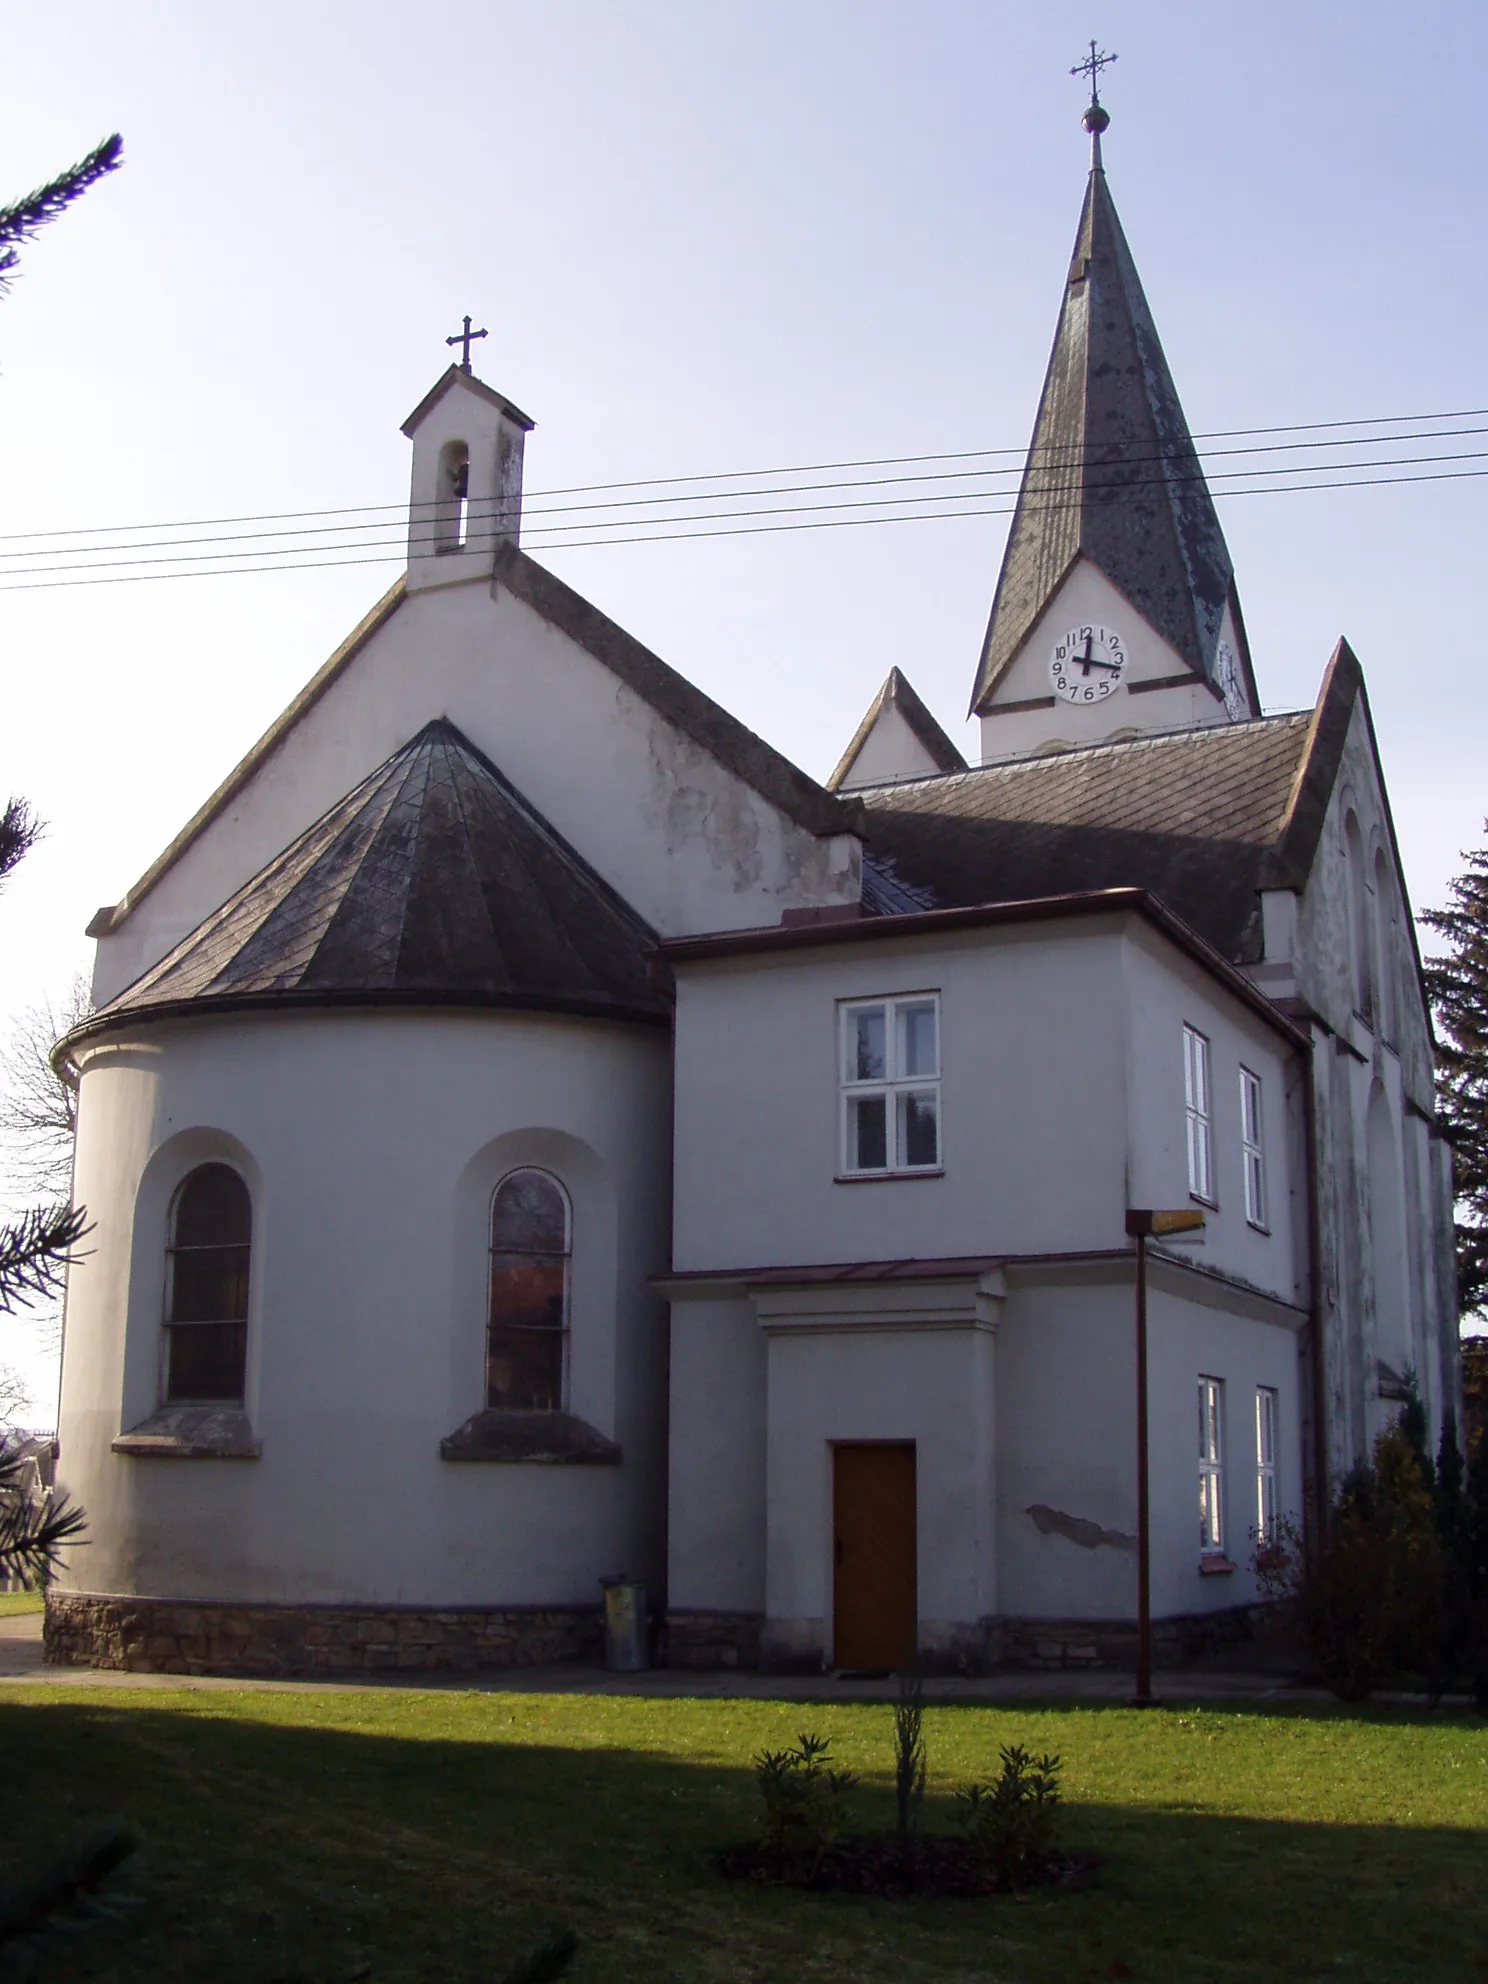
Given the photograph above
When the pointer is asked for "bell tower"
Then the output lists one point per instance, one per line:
(1116, 610)
(466, 495)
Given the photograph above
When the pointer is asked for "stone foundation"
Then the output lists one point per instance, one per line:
(200, 1636)
(713, 1639)
(1100, 1643)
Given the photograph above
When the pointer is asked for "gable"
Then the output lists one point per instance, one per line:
(694, 821)
(898, 738)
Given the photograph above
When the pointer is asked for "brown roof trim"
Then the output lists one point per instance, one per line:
(898, 693)
(108, 919)
(1041, 909)
(123, 1019)
(697, 716)
(471, 384)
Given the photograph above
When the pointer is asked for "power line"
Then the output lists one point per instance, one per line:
(740, 475)
(1101, 457)
(750, 530)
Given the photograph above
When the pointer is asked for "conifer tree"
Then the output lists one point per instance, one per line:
(1457, 983)
(23, 218)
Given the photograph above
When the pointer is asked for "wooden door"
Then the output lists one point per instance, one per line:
(874, 1601)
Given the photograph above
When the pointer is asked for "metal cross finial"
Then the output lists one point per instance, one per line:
(466, 338)
(1091, 67)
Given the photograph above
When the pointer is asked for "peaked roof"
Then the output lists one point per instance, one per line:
(1201, 819)
(1111, 473)
(898, 694)
(433, 882)
(456, 374)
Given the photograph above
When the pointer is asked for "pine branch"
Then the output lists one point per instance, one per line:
(22, 220)
(19, 830)
(35, 1251)
(34, 1529)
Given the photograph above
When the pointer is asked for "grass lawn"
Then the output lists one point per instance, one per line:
(384, 1835)
(12, 1602)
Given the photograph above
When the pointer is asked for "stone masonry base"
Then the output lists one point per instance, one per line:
(197, 1636)
(194, 1636)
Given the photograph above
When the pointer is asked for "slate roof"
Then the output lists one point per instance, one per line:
(434, 881)
(1111, 473)
(1197, 818)
(899, 694)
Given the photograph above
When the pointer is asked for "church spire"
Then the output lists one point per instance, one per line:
(1112, 476)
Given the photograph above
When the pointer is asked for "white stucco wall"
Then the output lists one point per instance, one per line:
(1382, 1061)
(1088, 595)
(1063, 1103)
(371, 1144)
(685, 842)
(1062, 1100)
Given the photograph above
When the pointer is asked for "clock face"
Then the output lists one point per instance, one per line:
(1088, 664)
(1231, 687)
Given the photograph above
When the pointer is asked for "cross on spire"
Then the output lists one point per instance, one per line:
(1091, 67)
(466, 338)
(1096, 117)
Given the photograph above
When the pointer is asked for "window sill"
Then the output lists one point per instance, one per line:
(545, 1439)
(1216, 1565)
(192, 1432)
(1210, 1205)
(888, 1177)
(1256, 1227)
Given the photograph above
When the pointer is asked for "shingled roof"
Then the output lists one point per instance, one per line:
(1197, 818)
(433, 882)
(1111, 472)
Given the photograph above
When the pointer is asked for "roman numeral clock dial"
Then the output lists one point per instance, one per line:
(1088, 664)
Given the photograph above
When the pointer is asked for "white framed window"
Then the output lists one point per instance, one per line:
(1211, 1466)
(1265, 1464)
(890, 1061)
(1198, 1114)
(1251, 1149)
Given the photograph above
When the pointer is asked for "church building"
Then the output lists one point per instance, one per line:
(534, 1134)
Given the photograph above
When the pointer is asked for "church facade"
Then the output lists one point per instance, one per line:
(535, 1134)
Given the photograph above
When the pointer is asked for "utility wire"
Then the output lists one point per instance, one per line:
(1101, 458)
(740, 475)
(544, 535)
(749, 530)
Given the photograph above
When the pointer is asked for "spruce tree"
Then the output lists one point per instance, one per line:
(1457, 984)
(21, 220)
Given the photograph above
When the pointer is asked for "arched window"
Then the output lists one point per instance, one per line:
(206, 1289)
(451, 509)
(1361, 920)
(527, 1340)
(1384, 917)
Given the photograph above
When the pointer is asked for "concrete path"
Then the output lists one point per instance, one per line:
(21, 1662)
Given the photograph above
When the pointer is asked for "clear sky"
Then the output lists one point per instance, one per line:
(705, 239)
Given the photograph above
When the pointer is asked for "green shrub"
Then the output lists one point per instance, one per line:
(1013, 1824)
(909, 1754)
(1370, 1599)
(805, 1797)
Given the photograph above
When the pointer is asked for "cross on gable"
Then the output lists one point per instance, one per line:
(466, 338)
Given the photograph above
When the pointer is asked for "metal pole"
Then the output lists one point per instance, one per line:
(1143, 1695)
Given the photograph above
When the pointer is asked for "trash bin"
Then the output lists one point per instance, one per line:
(625, 1625)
